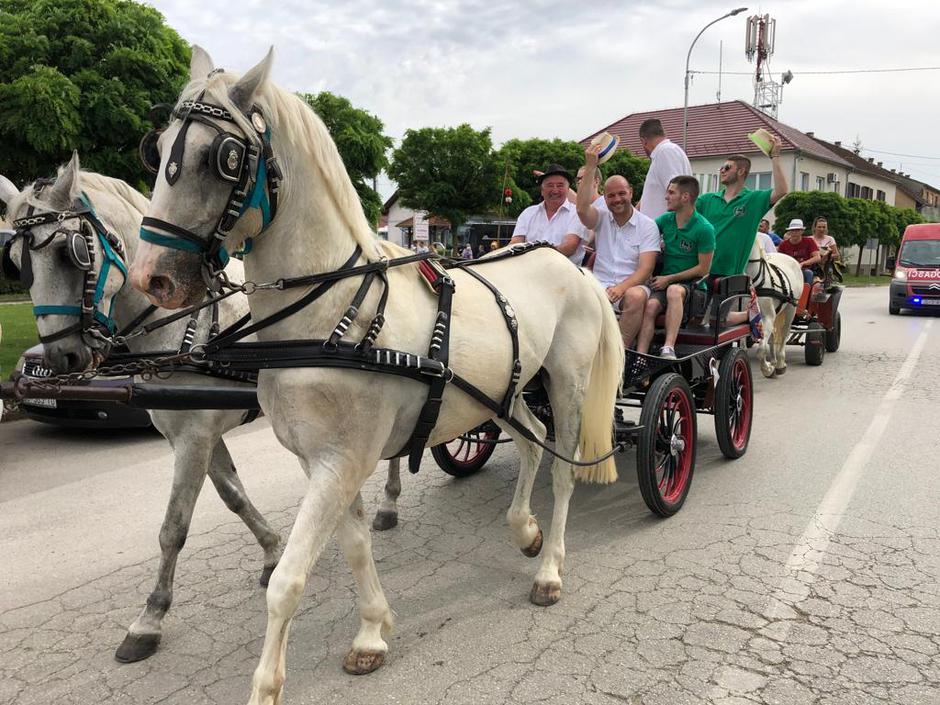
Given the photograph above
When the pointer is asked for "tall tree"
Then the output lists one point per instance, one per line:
(82, 74)
(360, 141)
(450, 172)
(809, 205)
(526, 156)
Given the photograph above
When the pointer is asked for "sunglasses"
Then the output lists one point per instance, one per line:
(726, 167)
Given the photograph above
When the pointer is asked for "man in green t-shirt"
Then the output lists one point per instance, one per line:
(736, 212)
(688, 244)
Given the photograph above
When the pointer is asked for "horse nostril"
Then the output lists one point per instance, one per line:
(72, 362)
(161, 287)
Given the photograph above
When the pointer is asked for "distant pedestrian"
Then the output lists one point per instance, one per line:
(467, 252)
(667, 161)
(481, 250)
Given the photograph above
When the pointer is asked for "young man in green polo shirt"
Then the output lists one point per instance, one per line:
(688, 244)
(736, 211)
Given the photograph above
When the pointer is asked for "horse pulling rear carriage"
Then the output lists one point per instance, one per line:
(712, 375)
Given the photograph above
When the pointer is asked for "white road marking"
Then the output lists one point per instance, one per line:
(801, 568)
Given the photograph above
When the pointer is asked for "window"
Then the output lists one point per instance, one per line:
(758, 180)
(820, 183)
(804, 181)
(853, 191)
(881, 195)
(867, 192)
(836, 186)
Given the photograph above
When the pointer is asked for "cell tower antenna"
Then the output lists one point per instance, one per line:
(759, 47)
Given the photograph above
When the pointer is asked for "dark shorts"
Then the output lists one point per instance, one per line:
(660, 295)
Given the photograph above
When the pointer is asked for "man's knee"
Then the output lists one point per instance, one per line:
(635, 298)
(675, 294)
(652, 307)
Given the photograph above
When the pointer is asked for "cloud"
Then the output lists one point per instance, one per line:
(553, 69)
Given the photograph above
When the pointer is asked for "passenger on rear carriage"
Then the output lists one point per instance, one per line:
(688, 245)
(803, 249)
(627, 243)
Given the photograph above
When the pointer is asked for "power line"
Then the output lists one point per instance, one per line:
(827, 73)
(899, 154)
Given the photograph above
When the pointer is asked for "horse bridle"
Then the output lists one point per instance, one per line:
(245, 160)
(80, 245)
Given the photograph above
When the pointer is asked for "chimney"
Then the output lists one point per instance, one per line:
(880, 163)
(893, 171)
(838, 143)
(810, 134)
(871, 160)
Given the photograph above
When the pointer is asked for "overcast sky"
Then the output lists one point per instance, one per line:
(549, 69)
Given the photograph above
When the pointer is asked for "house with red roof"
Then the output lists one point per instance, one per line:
(717, 130)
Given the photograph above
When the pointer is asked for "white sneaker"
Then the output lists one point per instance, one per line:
(667, 353)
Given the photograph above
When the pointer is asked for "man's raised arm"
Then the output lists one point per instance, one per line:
(781, 188)
(587, 212)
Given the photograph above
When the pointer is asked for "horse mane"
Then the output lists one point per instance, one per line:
(116, 187)
(310, 138)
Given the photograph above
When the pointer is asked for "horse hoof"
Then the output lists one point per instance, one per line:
(545, 595)
(767, 373)
(780, 370)
(358, 663)
(385, 520)
(534, 548)
(266, 575)
(137, 647)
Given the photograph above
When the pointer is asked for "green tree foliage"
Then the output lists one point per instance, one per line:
(450, 172)
(82, 74)
(526, 156)
(633, 168)
(360, 141)
(809, 205)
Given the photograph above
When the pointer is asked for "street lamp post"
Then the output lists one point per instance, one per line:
(685, 109)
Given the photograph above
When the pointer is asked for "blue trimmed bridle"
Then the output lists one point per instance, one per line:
(81, 249)
(245, 160)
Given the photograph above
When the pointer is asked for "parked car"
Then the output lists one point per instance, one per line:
(916, 281)
(77, 414)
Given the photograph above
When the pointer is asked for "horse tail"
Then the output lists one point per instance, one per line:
(604, 384)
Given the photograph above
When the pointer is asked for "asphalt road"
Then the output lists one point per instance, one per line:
(805, 572)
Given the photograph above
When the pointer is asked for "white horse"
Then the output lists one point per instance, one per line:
(779, 282)
(196, 436)
(340, 422)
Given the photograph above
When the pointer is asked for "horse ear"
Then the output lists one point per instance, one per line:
(244, 90)
(67, 186)
(7, 189)
(200, 65)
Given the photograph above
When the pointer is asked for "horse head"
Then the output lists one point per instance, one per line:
(240, 158)
(73, 267)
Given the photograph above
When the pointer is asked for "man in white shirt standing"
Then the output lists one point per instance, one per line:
(627, 243)
(667, 162)
(555, 219)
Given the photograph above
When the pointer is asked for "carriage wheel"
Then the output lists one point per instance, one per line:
(466, 455)
(814, 350)
(834, 336)
(734, 403)
(665, 457)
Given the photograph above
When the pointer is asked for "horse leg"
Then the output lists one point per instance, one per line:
(190, 467)
(781, 333)
(546, 589)
(229, 486)
(375, 618)
(764, 349)
(331, 489)
(387, 516)
(523, 525)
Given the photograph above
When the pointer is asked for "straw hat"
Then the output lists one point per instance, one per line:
(610, 142)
